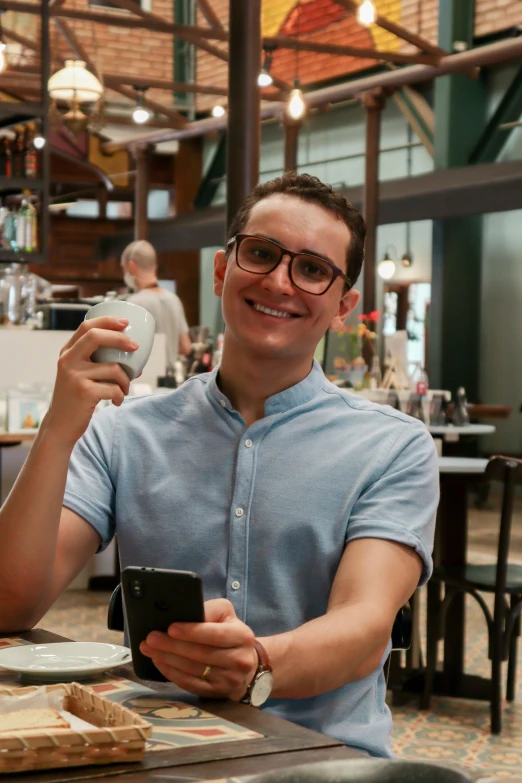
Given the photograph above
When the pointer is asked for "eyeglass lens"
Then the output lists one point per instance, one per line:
(309, 273)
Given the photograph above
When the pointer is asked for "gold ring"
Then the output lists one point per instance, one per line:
(206, 672)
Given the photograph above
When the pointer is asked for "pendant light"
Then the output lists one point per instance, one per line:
(265, 79)
(218, 110)
(386, 268)
(366, 13)
(3, 52)
(140, 114)
(296, 106)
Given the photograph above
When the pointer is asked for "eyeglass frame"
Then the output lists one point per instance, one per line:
(336, 272)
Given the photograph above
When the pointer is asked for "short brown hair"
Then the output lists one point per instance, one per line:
(311, 189)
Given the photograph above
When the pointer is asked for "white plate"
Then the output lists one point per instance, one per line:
(63, 661)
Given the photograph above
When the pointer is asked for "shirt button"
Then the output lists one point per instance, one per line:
(248, 443)
(223, 403)
(236, 585)
(239, 512)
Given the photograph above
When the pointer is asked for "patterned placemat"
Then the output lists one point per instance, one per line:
(175, 724)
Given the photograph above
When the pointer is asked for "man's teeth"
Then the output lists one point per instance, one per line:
(266, 310)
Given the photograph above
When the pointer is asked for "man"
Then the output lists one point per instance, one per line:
(140, 273)
(307, 511)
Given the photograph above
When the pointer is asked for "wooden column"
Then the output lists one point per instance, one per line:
(141, 192)
(373, 103)
(292, 128)
(244, 122)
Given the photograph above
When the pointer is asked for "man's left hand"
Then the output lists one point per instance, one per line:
(221, 649)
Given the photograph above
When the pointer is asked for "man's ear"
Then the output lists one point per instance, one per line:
(220, 267)
(133, 268)
(347, 304)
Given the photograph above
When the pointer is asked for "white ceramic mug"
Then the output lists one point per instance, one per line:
(141, 329)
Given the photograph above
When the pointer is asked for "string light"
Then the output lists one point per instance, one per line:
(366, 13)
(140, 115)
(296, 103)
(3, 53)
(264, 79)
(39, 141)
(218, 111)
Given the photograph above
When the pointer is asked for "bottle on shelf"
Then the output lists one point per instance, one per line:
(414, 408)
(460, 411)
(31, 156)
(5, 157)
(18, 155)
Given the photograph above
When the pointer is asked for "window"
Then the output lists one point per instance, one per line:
(145, 5)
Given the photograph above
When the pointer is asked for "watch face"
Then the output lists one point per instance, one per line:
(261, 689)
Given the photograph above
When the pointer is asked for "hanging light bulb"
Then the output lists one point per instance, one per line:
(3, 52)
(296, 107)
(3, 58)
(386, 267)
(218, 111)
(264, 79)
(366, 13)
(38, 141)
(140, 113)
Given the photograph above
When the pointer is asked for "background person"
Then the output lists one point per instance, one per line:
(140, 273)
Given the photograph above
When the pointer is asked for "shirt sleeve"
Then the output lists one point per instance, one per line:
(90, 489)
(401, 503)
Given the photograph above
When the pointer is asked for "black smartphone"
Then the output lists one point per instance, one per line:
(153, 598)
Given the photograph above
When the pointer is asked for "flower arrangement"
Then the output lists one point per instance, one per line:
(357, 347)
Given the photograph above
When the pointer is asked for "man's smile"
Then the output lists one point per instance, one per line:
(271, 312)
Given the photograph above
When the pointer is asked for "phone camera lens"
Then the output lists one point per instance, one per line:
(136, 589)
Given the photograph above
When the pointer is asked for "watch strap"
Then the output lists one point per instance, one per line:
(263, 658)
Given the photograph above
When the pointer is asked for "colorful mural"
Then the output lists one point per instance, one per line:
(324, 21)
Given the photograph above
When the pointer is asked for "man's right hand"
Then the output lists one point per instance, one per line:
(81, 383)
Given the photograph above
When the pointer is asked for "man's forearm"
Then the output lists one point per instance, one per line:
(344, 645)
(29, 522)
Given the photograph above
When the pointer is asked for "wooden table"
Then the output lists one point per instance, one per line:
(9, 439)
(283, 744)
(452, 432)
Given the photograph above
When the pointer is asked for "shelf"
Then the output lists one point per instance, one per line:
(17, 184)
(10, 257)
(19, 113)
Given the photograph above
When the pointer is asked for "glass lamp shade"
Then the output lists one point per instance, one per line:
(386, 268)
(74, 83)
(296, 105)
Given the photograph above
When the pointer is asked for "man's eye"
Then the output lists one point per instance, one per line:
(312, 269)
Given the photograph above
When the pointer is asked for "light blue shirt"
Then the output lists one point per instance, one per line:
(263, 513)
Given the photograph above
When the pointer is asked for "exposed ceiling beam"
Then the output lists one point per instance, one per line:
(396, 29)
(111, 119)
(21, 39)
(209, 14)
(130, 5)
(177, 119)
(283, 42)
(163, 84)
(507, 50)
(185, 32)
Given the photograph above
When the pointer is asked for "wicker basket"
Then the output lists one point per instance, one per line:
(119, 737)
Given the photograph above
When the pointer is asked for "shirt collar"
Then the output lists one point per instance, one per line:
(281, 402)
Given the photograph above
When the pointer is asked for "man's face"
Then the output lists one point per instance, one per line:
(300, 227)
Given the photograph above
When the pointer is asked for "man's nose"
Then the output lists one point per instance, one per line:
(279, 278)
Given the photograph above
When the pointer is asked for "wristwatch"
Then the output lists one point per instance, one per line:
(263, 681)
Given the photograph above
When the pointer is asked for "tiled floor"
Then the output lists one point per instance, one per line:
(453, 730)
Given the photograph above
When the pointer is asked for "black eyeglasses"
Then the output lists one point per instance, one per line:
(309, 273)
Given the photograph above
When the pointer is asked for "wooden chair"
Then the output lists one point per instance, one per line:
(504, 580)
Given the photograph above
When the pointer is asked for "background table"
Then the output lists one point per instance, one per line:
(283, 744)
(471, 430)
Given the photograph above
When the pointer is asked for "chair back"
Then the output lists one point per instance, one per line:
(507, 471)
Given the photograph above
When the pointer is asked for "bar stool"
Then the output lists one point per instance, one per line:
(504, 580)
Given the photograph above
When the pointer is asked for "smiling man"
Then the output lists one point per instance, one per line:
(308, 511)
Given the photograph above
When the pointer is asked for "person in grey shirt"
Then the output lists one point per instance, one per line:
(140, 267)
(308, 511)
